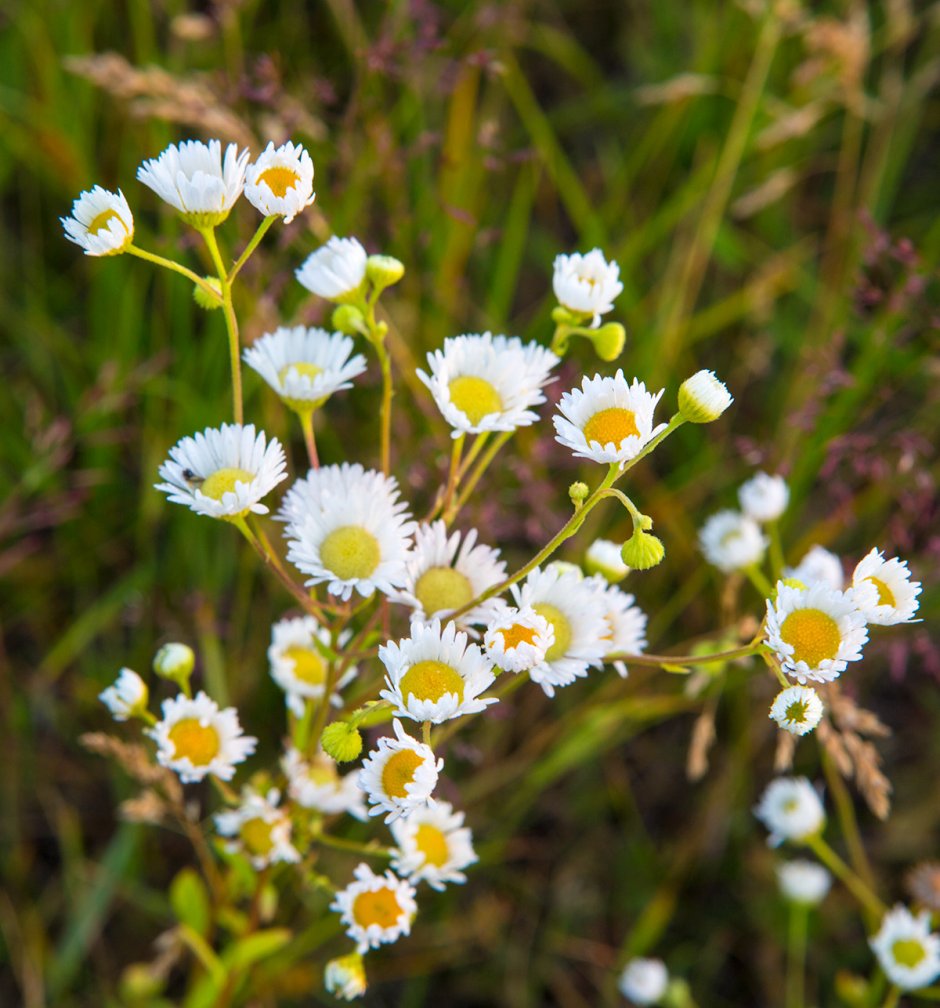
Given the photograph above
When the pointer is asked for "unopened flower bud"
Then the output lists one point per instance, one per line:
(608, 340)
(345, 977)
(203, 298)
(127, 697)
(578, 493)
(642, 550)
(341, 741)
(603, 557)
(175, 662)
(703, 398)
(383, 270)
(348, 319)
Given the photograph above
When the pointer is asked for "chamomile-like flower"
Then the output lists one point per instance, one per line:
(194, 738)
(818, 565)
(259, 829)
(483, 382)
(797, 709)
(223, 472)
(434, 846)
(345, 977)
(791, 810)
(607, 420)
(193, 178)
(732, 541)
(445, 572)
(703, 398)
(586, 283)
(317, 784)
(435, 675)
(299, 660)
(577, 613)
(815, 631)
(400, 775)
(803, 882)
(280, 182)
(626, 623)
(126, 697)
(335, 271)
(101, 222)
(305, 366)
(315, 492)
(884, 591)
(764, 498)
(906, 949)
(376, 909)
(603, 557)
(644, 981)
(518, 639)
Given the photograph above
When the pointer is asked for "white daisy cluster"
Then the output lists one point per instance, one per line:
(733, 540)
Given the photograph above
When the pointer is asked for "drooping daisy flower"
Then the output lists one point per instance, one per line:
(304, 366)
(445, 572)
(518, 639)
(345, 977)
(435, 675)
(815, 631)
(101, 222)
(127, 697)
(577, 613)
(259, 829)
(400, 775)
(764, 498)
(791, 810)
(703, 398)
(586, 283)
(797, 709)
(818, 565)
(280, 182)
(731, 541)
(223, 472)
(626, 623)
(906, 949)
(376, 909)
(434, 846)
(299, 659)
(644, 981)
(316, 784)
(607, 420)
(195, 738)
(335, 271)
(193, 178)
(603, 557)
(884, 591)
(803, 882)
(483, 382)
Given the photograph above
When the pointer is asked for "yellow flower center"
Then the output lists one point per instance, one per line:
(474, 397)
(309, 667)
(885, 595)
(908, 952)
(350, 552)
(279, 179)
(399, 770)
(321, 772)
(199, 742)
(430, 680)
(796, 712)
(611, 426)
(433, 845)
(813, 635)
(517, 634)
(443, 588)
(560, 625)
(303, 368)
(101, 222)
(380, 907)
(222, 481)
(255, 834)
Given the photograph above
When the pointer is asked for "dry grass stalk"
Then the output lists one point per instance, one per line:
(703, 735)
(136, 761)
(786, 747)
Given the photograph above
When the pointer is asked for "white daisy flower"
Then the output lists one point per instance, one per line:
(434, 846)
(299, 660)
(223, 472)
(803, 882)
(280, 182)
(518, 639)
(791, 810)
(626, 623)
(815, 631)
(259, 829)
(764, 498)
(193, 179)
(818, 565)
(195, 738)
(483, 382)
(335, 271)
(400, 775)
(603, 557)
(101, 222)
(607, 420)
(305, 366)
(906, 949)
(435, 675)
(703, 398)
(732, 541)
(356, 539)
(797, 709)
(586, 283)
(577, 613)
(317, 784)
(884, 590)
(444, 573)
(345, 977)
(376, 909)
(644, 981)
(126, 697)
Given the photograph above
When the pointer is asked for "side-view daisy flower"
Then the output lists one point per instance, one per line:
(101, 222)
(764, 498)
(607, 420)
(127, 697)
(586, 283)
(884, 591)
(223, 472)
(803, 882)
(626, 623)
(703, 398)
(644, 981)
(815, 631)
(258, 828)
(732, 541)
(907, 950)
(400, 775)
(797, 709)
(280, 182)
(299, 661)
(791, 810)
(818, 565)
(376, 909)
(317, 784)
(603, 557)
(345, 977)
(518, 639)
(195, 738)
(335, 271)
(434, 846)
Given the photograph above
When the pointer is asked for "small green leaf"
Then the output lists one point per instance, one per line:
(247, 951)
(677, 669)
(190, 901)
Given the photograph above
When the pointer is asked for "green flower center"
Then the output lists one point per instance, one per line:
(302, 368)
(813, 635)
(908, 952)
(475, 397)
(430, 680)
(255, 834)
(560, 625)
(796, 712)
(442, 588)
(350, 552)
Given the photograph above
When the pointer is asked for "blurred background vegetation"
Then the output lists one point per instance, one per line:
(766, 180)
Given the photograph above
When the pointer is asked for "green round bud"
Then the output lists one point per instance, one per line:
(139, 985)
(384, 270)
(642, 550)
(174, 661)
(349, 319)
(341, 741)
(206, 300)
(578, 493)
(703, 398)
(608, 340)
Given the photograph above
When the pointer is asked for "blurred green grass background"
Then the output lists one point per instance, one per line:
(767, 184)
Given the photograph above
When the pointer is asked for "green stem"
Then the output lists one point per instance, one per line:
(491, 452)
(894, 996)
(796, 955)
(659, 660)
(426, 734)
(176, 268)
(453, 473)
(869, 901)
(250, 247)
(231, 322)
(262, 546)
(310, 438)
(338, 843)
(776, 551)
(386, 416)
(757, 578)
(510, 686)
(479, 442)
